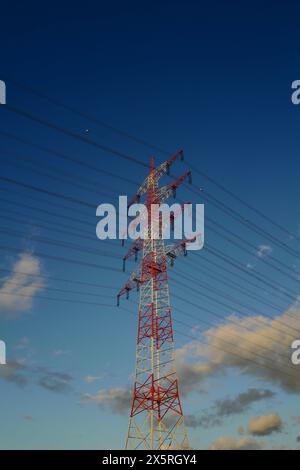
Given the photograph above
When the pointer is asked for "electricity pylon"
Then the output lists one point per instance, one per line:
(156, 418)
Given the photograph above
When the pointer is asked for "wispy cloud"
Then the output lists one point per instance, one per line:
(255, 345)
(296, 420)
(89, 379)
(17, 290)
(59, 382)
(21, 374)
(117, 400)
(222, 409)
(23, 344)
(15, 372)
(28, 418)
(61, 352)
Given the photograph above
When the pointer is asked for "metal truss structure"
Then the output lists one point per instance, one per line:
(156, 417)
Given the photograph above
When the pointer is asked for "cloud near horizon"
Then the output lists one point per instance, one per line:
(232, 443)
(254, 345)
(222, 409)
(265, 425)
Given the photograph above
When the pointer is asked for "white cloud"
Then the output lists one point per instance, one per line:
(265, 425)
(255, 345)
(18, 290)
(263, 251)
(232, 443)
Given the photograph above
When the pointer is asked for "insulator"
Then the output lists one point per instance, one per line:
(118, 300)
(123, 242)
(168, 168)
(127, 294)
(135, 255)
(184, 250)
(174, 192)
(137, 286)
(190, 178)
(124, 262)
(172, 262)
(181, 155)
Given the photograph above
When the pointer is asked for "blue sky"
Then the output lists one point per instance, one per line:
(214, 80)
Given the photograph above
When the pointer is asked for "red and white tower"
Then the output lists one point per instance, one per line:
(156, 417)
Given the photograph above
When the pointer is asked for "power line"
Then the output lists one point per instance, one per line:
(63, 259)
(189, 278)
(76, 201)
(223, 236)
(153, 147)
(244, 339)
(243, 220)
(54, 278)
(86, 116)
(215, 202)
(63, 156)
(84, 302)
(273, 284)
(38, 172)
(74, 135)
(59, 195)
(49, 241)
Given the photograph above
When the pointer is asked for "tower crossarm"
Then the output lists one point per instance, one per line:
(134, 249)
(177, 249)
(171, 253)
(164, 168)
(170, 189)
(133, 282)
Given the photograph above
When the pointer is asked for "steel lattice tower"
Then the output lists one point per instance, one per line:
(156, 418)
